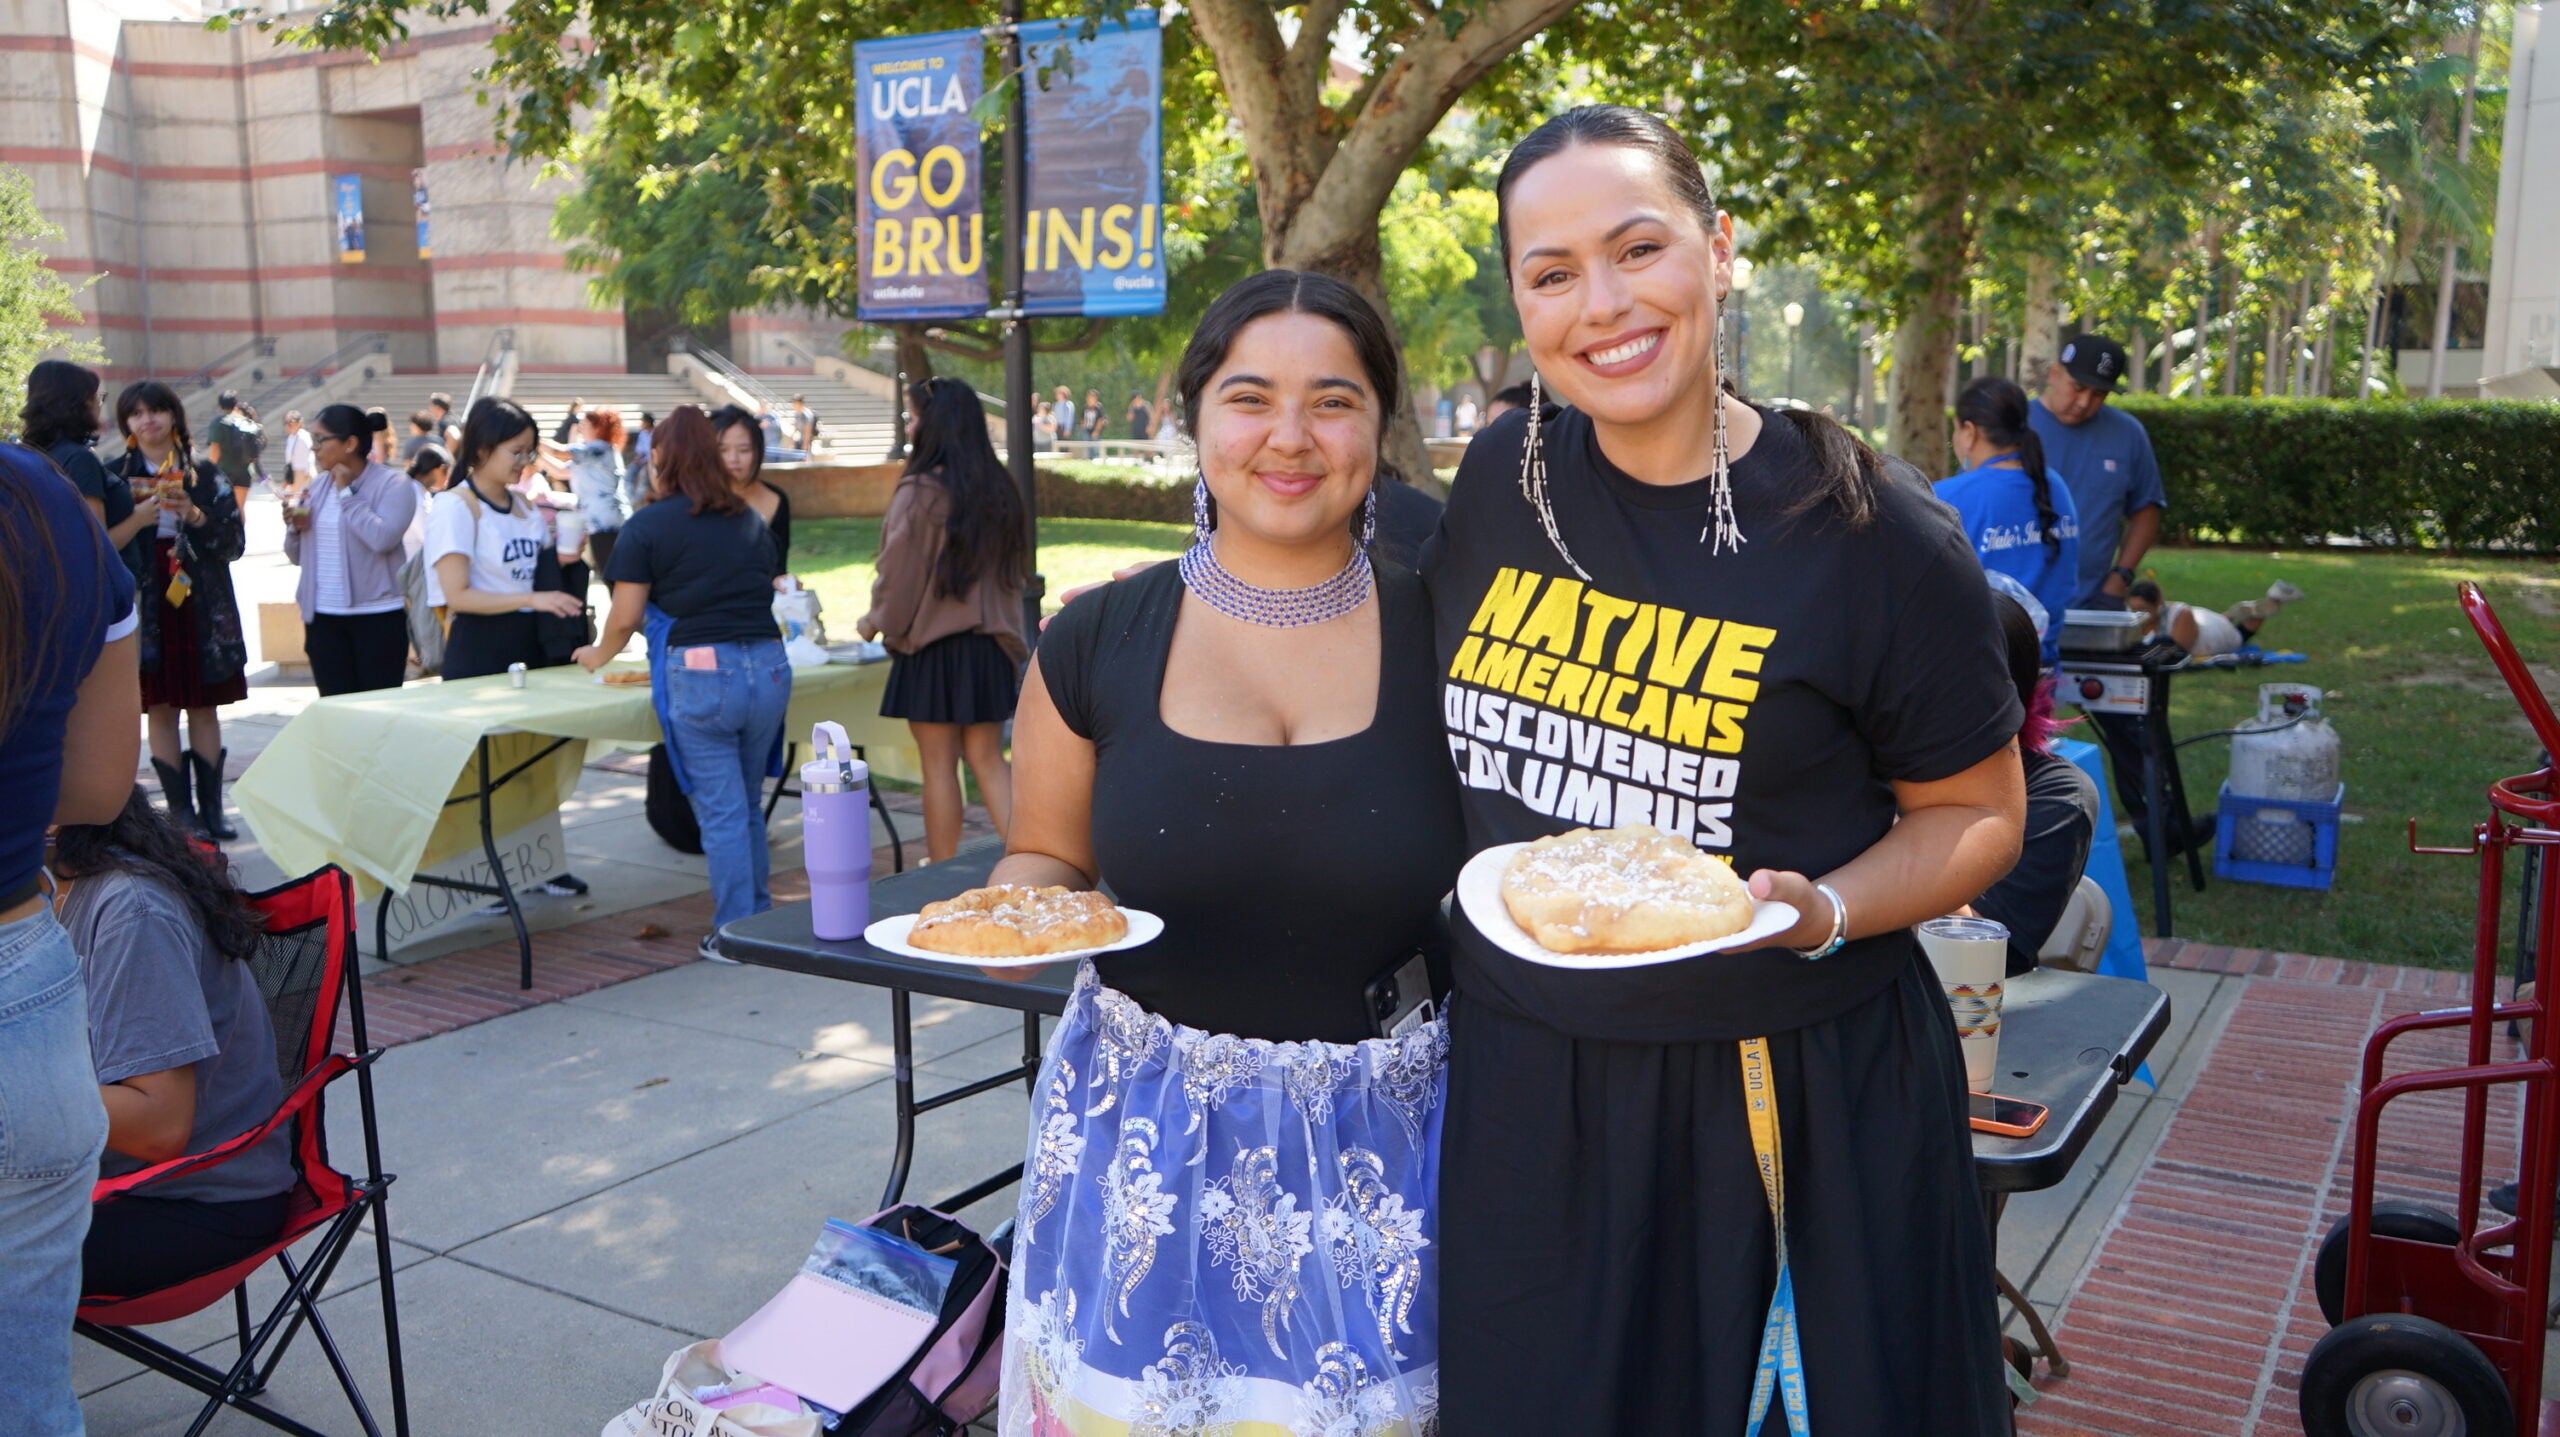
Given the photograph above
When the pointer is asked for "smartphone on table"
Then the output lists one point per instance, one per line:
(2006, 1117)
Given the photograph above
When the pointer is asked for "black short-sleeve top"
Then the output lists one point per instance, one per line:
(1288, 877)
(712, 572)
(1759, 703)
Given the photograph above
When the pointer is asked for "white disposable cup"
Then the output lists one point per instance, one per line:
(571, 526)
(1972, 959)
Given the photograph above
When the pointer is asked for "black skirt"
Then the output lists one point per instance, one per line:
(480, 644)
(1604, 1232)
(964, 679)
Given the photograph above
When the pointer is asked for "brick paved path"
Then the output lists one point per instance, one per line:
(2196, 1313)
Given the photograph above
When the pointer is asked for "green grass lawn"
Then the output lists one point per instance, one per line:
(2424, 722)
(834, 557)
(2424, 725)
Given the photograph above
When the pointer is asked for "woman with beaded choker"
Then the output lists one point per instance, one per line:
(1663, 605)
(1228, 1208)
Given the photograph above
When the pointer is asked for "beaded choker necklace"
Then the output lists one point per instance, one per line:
(1345, 592)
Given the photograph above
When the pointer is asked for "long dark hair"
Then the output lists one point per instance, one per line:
(2026, 672)
(28, 561)
(982, 525)
(349, 421)
(152, 394)
(59, 399)
(1848, 473)
(492, 422)
(1998, 407)
(142, 841)
(724, 419)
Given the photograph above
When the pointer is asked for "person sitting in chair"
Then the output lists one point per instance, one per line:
(186, 1056)
(2062, 806)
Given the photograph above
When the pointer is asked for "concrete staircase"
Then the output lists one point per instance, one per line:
(546, 396)
(853, 426)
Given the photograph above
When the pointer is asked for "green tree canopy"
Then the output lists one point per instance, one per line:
(32, 296)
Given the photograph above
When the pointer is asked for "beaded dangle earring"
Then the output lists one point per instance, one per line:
(1200, 509)
(1533, 477)
(1722, 529)
(1369, 517)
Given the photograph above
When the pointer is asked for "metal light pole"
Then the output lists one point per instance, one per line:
(1017, 325)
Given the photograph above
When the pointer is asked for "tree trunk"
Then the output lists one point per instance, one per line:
(2373, 312)
(2267, 362)
(2231, 346)
(2453, 244)
(2139, 368)
(915, 361)
(2168, 353)
(1862, 380)
(2040, 338)
(1322, 173)
(1924, 336)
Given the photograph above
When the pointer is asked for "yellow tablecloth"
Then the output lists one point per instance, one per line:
(361, 780)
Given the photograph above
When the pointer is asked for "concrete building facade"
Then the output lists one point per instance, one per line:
(195, 175)
(2522, 354)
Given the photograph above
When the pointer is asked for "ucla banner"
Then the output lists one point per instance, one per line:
(1094, 237)
(923, 231)
(350, 189)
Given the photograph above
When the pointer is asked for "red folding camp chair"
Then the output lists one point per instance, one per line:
(304, 966)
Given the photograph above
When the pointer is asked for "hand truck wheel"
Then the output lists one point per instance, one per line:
(2395, 1374)
(2413, 1221)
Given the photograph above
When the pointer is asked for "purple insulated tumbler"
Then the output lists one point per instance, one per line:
(835, 834)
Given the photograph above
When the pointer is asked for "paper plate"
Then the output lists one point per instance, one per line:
(1480, 894)
(889, 935)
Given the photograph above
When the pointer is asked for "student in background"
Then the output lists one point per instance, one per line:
(349, 537)
(184, 1054)
(235, 444)
(422, 432)
(60, 421)
(69, 697)
(694, 570)
(2062, 806)
(194, 657)
(734, 432)
(299, 464)
(484, 542)
(2017, 513)
(947, 600)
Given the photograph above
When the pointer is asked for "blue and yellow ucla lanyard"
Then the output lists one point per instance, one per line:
(1781, 1371)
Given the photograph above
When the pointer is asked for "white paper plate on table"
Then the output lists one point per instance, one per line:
(1480, 894)
(889, 935)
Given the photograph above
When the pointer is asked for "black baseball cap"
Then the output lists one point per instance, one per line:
(2096, 361)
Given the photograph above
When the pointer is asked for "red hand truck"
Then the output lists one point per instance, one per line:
(2437, 1319)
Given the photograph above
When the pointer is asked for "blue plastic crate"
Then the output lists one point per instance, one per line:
(2285, 842)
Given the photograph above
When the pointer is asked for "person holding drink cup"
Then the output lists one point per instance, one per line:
(348, 534)
(194, 657)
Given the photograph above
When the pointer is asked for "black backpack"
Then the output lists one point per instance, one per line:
(670, 812)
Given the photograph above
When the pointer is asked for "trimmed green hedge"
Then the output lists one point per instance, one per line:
(2421, 474)
(1082, 489)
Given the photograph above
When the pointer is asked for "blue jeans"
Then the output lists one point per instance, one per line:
(722, 724)
(52, 1128)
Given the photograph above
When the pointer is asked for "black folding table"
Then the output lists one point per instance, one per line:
(2068, 1040)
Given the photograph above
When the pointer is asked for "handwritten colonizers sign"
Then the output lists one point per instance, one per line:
(1094, 226)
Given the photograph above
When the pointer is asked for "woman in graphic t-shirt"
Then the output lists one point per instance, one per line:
(484, 544)
(1660, 604)
(2015, 511)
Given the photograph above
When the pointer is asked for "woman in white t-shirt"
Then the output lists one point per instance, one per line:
(594, 472)
(484, 544)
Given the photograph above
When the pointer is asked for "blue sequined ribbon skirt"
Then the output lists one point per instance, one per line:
(1226, 1235)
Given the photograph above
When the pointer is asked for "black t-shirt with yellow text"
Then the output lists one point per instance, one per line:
(1759, 703)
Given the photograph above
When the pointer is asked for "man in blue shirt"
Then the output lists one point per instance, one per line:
(2104, 455)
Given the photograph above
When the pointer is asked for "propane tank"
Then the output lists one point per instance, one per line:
(2288, 752)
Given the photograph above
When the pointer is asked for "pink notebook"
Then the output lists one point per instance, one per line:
(828, 1342)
